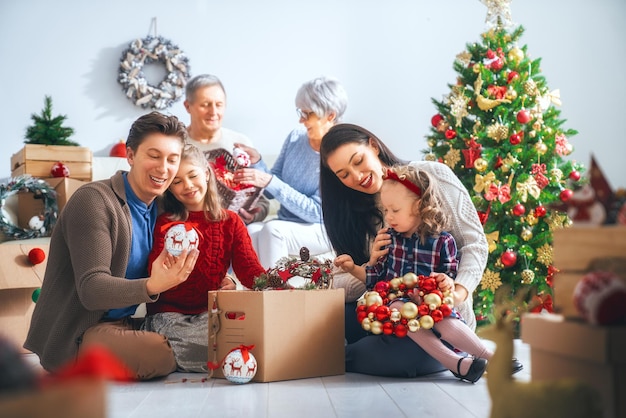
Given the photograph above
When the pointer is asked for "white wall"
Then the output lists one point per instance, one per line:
(392, 56)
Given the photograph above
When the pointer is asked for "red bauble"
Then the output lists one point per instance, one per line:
(519, 209)
(600, 297)
(36, 256)
(509, 258)
(565, 195)
(515, 138)
(118, 150)
(436, 119)
(523, 116)
(382, 313)
(574, 175)
(497, 64)
(360, 316)
(512, 76)
(382, 286)
(59, 170)
(540, 211)
(401, 330)
(387, 328)
(483, 216)
(450, 134)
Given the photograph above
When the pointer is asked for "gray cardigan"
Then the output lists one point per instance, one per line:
(89, 251)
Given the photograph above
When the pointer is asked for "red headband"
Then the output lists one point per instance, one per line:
(390, 175)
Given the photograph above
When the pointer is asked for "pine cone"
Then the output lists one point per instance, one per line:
(304, 254)
(274, 281)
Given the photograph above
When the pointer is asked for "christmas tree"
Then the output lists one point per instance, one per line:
(48, 130)
(500, 132)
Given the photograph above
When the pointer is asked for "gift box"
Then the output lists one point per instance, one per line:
(295, 333)
(29, 206)
(579, 250)
(18, 280)
(566, 348)
(37, 160)
(234, 196)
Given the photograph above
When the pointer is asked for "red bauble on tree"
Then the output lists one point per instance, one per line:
(515, 138)
(509, 258)
(565, 195)
(436, 119)
(523, 116)
(450, 134)
(574, 175)
(59, 170)
(519, 210)
(540, 211)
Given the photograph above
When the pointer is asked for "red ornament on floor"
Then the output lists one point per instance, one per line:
(36, 256)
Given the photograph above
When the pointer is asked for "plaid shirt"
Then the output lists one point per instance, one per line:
(437, 254)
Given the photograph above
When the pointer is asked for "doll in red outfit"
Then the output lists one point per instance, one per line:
(181, 313)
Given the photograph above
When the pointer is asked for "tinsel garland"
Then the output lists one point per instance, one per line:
(41, 190)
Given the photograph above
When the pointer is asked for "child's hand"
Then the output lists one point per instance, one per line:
(379, 246)
(345, 262)
(228, 283)
(444, 282)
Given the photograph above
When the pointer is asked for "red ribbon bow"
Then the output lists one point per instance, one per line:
(245, 355)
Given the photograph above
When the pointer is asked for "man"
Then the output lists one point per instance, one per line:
(205, 101)
(97, 271)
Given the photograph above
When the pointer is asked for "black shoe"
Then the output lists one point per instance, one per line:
(476, 370)
(517, 366)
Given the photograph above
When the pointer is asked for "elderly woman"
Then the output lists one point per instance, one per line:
(294, 178)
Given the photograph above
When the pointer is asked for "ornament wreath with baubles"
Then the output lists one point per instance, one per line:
(293, 273)
(424, 305)
(132, 78)
(40, 225)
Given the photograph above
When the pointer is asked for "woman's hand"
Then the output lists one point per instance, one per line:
(254, 155)
(169, 271)
(252, 177)
(379, 246)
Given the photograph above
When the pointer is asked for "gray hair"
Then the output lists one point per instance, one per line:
(201, 81)
(323, 96)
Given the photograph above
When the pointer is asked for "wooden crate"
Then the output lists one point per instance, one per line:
(37, 160)
(578, 250)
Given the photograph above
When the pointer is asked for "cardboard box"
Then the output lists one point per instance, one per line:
(562, 348)
(18, 279)
(296, 333)
(575, 250)
(37, 160)
(28, 206)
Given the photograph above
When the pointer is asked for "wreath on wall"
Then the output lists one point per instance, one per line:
(131, 76)
(40, 225)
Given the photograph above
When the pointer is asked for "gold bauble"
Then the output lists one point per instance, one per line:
(395, 283)
(537, 125)
(541, 148)
(392, 296)
(432, 142)
(556, 175)
(531, 219)
(528, 276)
(376, 327)
(476, 68)
(511, 94)
(449, 300)
(373, 298)
(427, 322)
(532, 133)
(516, 55)
(409, 310)
(410, 280)
(413, 325)
(480, 164)
(361, 301)
(366, 324)
(395, 315)
(430, 157)
(432, 300)
(526, 234)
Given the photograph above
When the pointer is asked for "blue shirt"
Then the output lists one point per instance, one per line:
(143, 219)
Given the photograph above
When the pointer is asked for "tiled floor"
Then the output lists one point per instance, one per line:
(351, 395)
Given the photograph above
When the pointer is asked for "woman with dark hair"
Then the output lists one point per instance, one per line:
(352, 163)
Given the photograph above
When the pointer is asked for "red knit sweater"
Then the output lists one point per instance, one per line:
(221, 243)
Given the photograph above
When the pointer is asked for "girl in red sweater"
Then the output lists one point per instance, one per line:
(181, 313)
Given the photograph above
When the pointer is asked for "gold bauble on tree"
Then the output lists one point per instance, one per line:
(430, 157)
(526, 234)
(541, 148)
(516, 55)
(480, 164)
(511, 94)
(528, 276)
(432, 143)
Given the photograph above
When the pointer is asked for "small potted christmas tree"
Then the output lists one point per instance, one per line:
(49, 152)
